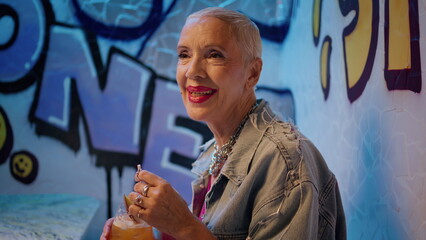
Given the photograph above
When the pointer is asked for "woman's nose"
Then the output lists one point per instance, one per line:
(195, 69)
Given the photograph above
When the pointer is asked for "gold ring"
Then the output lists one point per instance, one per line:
(145, 190)
(139, 200)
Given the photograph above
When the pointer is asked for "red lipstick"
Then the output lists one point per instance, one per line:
(199, 94)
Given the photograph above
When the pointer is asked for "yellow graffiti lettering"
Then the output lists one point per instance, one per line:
(402, 55)
(325, 66)
(316, 20)
(357, 43)
(3, 131)
(324, 59)
(399, 36)
(6, 136)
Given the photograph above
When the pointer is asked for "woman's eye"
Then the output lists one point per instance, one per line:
(182, 55)
(215, 54)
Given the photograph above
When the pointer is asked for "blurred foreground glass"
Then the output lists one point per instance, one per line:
(125, 228)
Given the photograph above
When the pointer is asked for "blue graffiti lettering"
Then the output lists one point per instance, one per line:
(24, 41)
(113, 114)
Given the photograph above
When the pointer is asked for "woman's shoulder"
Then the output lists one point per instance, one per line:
(275, 129)
(285, 137)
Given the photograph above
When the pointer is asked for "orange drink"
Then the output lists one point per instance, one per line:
(124, 228)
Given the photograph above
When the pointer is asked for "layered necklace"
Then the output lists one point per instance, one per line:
(220, 155)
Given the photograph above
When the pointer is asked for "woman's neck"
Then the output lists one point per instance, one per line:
(226, 127)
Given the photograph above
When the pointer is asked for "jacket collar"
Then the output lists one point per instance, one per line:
(237, 165)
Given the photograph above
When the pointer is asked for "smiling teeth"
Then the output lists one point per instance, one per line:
(197, 94)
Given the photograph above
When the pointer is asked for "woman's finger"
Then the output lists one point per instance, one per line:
(136, 198)
(139, 168)
(142, 188)
(149, 178)
(135, 212)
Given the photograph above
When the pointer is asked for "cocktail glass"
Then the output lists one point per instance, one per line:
(124, 227)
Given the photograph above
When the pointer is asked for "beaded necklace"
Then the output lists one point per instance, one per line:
(220, 155)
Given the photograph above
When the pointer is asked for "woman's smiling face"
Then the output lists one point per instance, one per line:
(211, 71)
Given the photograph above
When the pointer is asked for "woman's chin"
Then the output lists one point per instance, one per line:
(196, 116)
(198, 112)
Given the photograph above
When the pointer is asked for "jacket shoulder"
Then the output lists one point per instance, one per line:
(287, 139)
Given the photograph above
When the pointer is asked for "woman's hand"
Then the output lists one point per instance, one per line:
(107, 229)
(158, 204)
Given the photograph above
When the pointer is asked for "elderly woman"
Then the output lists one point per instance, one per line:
(259, 178)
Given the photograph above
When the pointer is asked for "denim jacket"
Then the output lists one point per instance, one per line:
(274, 185)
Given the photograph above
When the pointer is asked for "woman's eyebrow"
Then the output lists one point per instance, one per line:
(215, 46)
(181, 48)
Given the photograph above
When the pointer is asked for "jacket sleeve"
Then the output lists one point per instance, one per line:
(292, 215)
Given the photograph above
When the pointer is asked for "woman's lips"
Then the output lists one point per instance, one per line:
(199, 94)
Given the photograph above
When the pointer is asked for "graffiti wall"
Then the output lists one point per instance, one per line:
(88, 91)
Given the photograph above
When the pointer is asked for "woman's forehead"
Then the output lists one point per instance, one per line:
(206, 30)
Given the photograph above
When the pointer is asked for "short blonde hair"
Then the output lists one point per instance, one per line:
(246, 32)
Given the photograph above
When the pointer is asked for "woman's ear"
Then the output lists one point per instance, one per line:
(254, 68)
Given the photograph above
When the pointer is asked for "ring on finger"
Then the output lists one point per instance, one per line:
(139, 200)
(145, 190)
